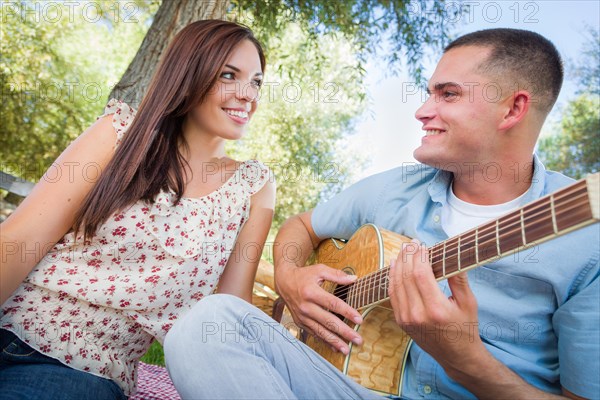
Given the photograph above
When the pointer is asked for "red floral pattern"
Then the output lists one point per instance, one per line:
(98, 307)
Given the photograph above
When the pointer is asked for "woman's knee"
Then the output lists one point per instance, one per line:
(206, 317)
(215, 308)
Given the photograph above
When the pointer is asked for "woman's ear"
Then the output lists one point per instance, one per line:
(517, 107)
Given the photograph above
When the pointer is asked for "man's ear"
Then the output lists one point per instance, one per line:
(517, 107)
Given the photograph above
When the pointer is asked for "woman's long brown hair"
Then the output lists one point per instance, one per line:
(148, 160)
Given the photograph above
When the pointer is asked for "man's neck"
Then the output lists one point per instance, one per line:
(493, 184)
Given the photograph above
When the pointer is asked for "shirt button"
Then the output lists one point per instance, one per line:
(436, 218)
(427, 389)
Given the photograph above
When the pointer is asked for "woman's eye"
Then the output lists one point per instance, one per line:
(228, 75)
(257, 82)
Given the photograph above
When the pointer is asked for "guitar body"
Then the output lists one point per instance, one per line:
(378, 364)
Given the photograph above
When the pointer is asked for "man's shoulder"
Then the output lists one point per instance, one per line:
(407, 173)
(555, 181)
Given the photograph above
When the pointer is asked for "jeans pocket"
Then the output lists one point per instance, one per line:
(18, 348)
(14, 350)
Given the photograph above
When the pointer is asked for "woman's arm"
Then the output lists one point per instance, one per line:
(238, 276)
(47, 214)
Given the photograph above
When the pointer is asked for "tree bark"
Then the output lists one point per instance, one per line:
(171, 17)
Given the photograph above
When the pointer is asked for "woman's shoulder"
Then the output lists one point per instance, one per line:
(253, 164)
(254, 174)
(122, 117)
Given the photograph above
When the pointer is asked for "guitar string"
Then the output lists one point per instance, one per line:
(375, 279)
(491, 228)
(508, 223)
(377, 275)
(491, 240)
(373, 283)
(506, 230)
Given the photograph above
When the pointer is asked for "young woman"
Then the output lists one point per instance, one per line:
(93, 270)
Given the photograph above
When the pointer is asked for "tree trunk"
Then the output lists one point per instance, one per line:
(171, 17)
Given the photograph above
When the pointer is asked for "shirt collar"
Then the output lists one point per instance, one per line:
(438, 187)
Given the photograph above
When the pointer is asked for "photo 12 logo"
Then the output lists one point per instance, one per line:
(474, 11)
(56, 11)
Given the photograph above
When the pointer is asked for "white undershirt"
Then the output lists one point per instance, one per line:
(461, 216)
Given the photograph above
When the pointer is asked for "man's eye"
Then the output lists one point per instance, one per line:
(449, 95)
(257, 82)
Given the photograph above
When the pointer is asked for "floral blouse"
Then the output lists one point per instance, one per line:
(98, 307)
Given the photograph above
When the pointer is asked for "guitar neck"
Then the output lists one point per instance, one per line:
(551, 216)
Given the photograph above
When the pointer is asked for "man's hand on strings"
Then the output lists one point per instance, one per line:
(445, 327)
(312, 307)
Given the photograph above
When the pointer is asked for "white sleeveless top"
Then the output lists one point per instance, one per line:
(98, 307)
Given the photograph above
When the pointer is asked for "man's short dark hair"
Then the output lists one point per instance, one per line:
(520, 59)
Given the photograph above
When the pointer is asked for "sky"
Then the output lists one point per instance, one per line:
(388, 132)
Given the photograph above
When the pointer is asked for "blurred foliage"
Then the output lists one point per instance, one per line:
(307, 109)
(586, 70)
(574, 148)
(407, 26)
(57, 67)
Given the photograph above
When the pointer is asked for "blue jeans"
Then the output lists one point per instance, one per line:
(27, 374)
(225, 348)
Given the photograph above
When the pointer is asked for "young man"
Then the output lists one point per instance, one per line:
(489, 97)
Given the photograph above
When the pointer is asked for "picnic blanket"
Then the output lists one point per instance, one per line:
(154, 384)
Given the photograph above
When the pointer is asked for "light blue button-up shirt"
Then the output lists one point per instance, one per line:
(539, 309)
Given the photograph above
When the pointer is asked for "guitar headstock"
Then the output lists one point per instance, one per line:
(593, 186)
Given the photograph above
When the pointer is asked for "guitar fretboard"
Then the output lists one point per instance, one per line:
(541, 220)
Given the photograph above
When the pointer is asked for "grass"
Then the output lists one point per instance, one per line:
(154, 355)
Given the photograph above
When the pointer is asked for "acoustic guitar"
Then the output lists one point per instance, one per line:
(379, 363)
